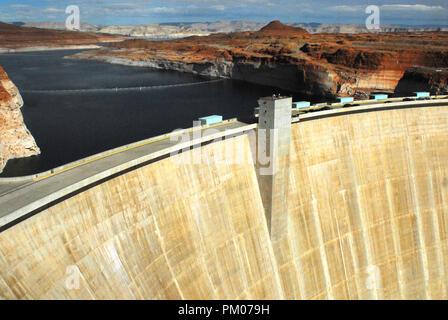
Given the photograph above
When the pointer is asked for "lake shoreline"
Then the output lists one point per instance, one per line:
(45, 48)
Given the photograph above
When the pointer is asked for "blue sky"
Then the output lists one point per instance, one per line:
(113, 12)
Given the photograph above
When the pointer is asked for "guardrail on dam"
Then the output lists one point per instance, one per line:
(366, 218)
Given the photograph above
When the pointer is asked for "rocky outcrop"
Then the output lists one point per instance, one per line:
(290, 58)
(15, 139)
(276, 27)
(434, 80)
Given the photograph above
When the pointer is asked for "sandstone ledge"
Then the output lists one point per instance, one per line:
(15, 139)
(290, 58)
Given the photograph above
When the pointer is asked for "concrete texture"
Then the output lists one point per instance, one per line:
(367, 220)
(274, 140)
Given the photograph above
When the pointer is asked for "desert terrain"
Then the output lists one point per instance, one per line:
(325, 64)
(16, 38)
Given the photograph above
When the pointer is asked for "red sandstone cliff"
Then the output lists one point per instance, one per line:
(434, 80)
(15, 139)
(291, 58)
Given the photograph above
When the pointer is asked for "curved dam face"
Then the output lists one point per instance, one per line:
(367, 219)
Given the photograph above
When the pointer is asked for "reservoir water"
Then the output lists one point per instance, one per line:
(68, 126)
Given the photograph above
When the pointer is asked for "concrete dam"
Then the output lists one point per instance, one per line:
(358, 209)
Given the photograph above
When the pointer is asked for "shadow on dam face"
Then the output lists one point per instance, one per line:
(367, 216)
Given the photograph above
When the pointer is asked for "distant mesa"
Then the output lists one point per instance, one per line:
(418, 78)
(276, 27)
(290, 58)
(14, 36)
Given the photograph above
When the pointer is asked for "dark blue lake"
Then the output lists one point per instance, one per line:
(69, 126)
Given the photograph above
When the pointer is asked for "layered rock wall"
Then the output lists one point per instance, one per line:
(15, 139)
(434, 80)
(291, 58)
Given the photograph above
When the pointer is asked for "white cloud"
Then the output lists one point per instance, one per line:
(19, 5)
(347, 8)
(51, 10)
(163, 10)
(219, 7)
(413, 7)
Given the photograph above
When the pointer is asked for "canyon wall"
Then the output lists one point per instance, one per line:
(15, 139)
(367, 220)
(290, 58)
(312, 80)
(16, 38)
